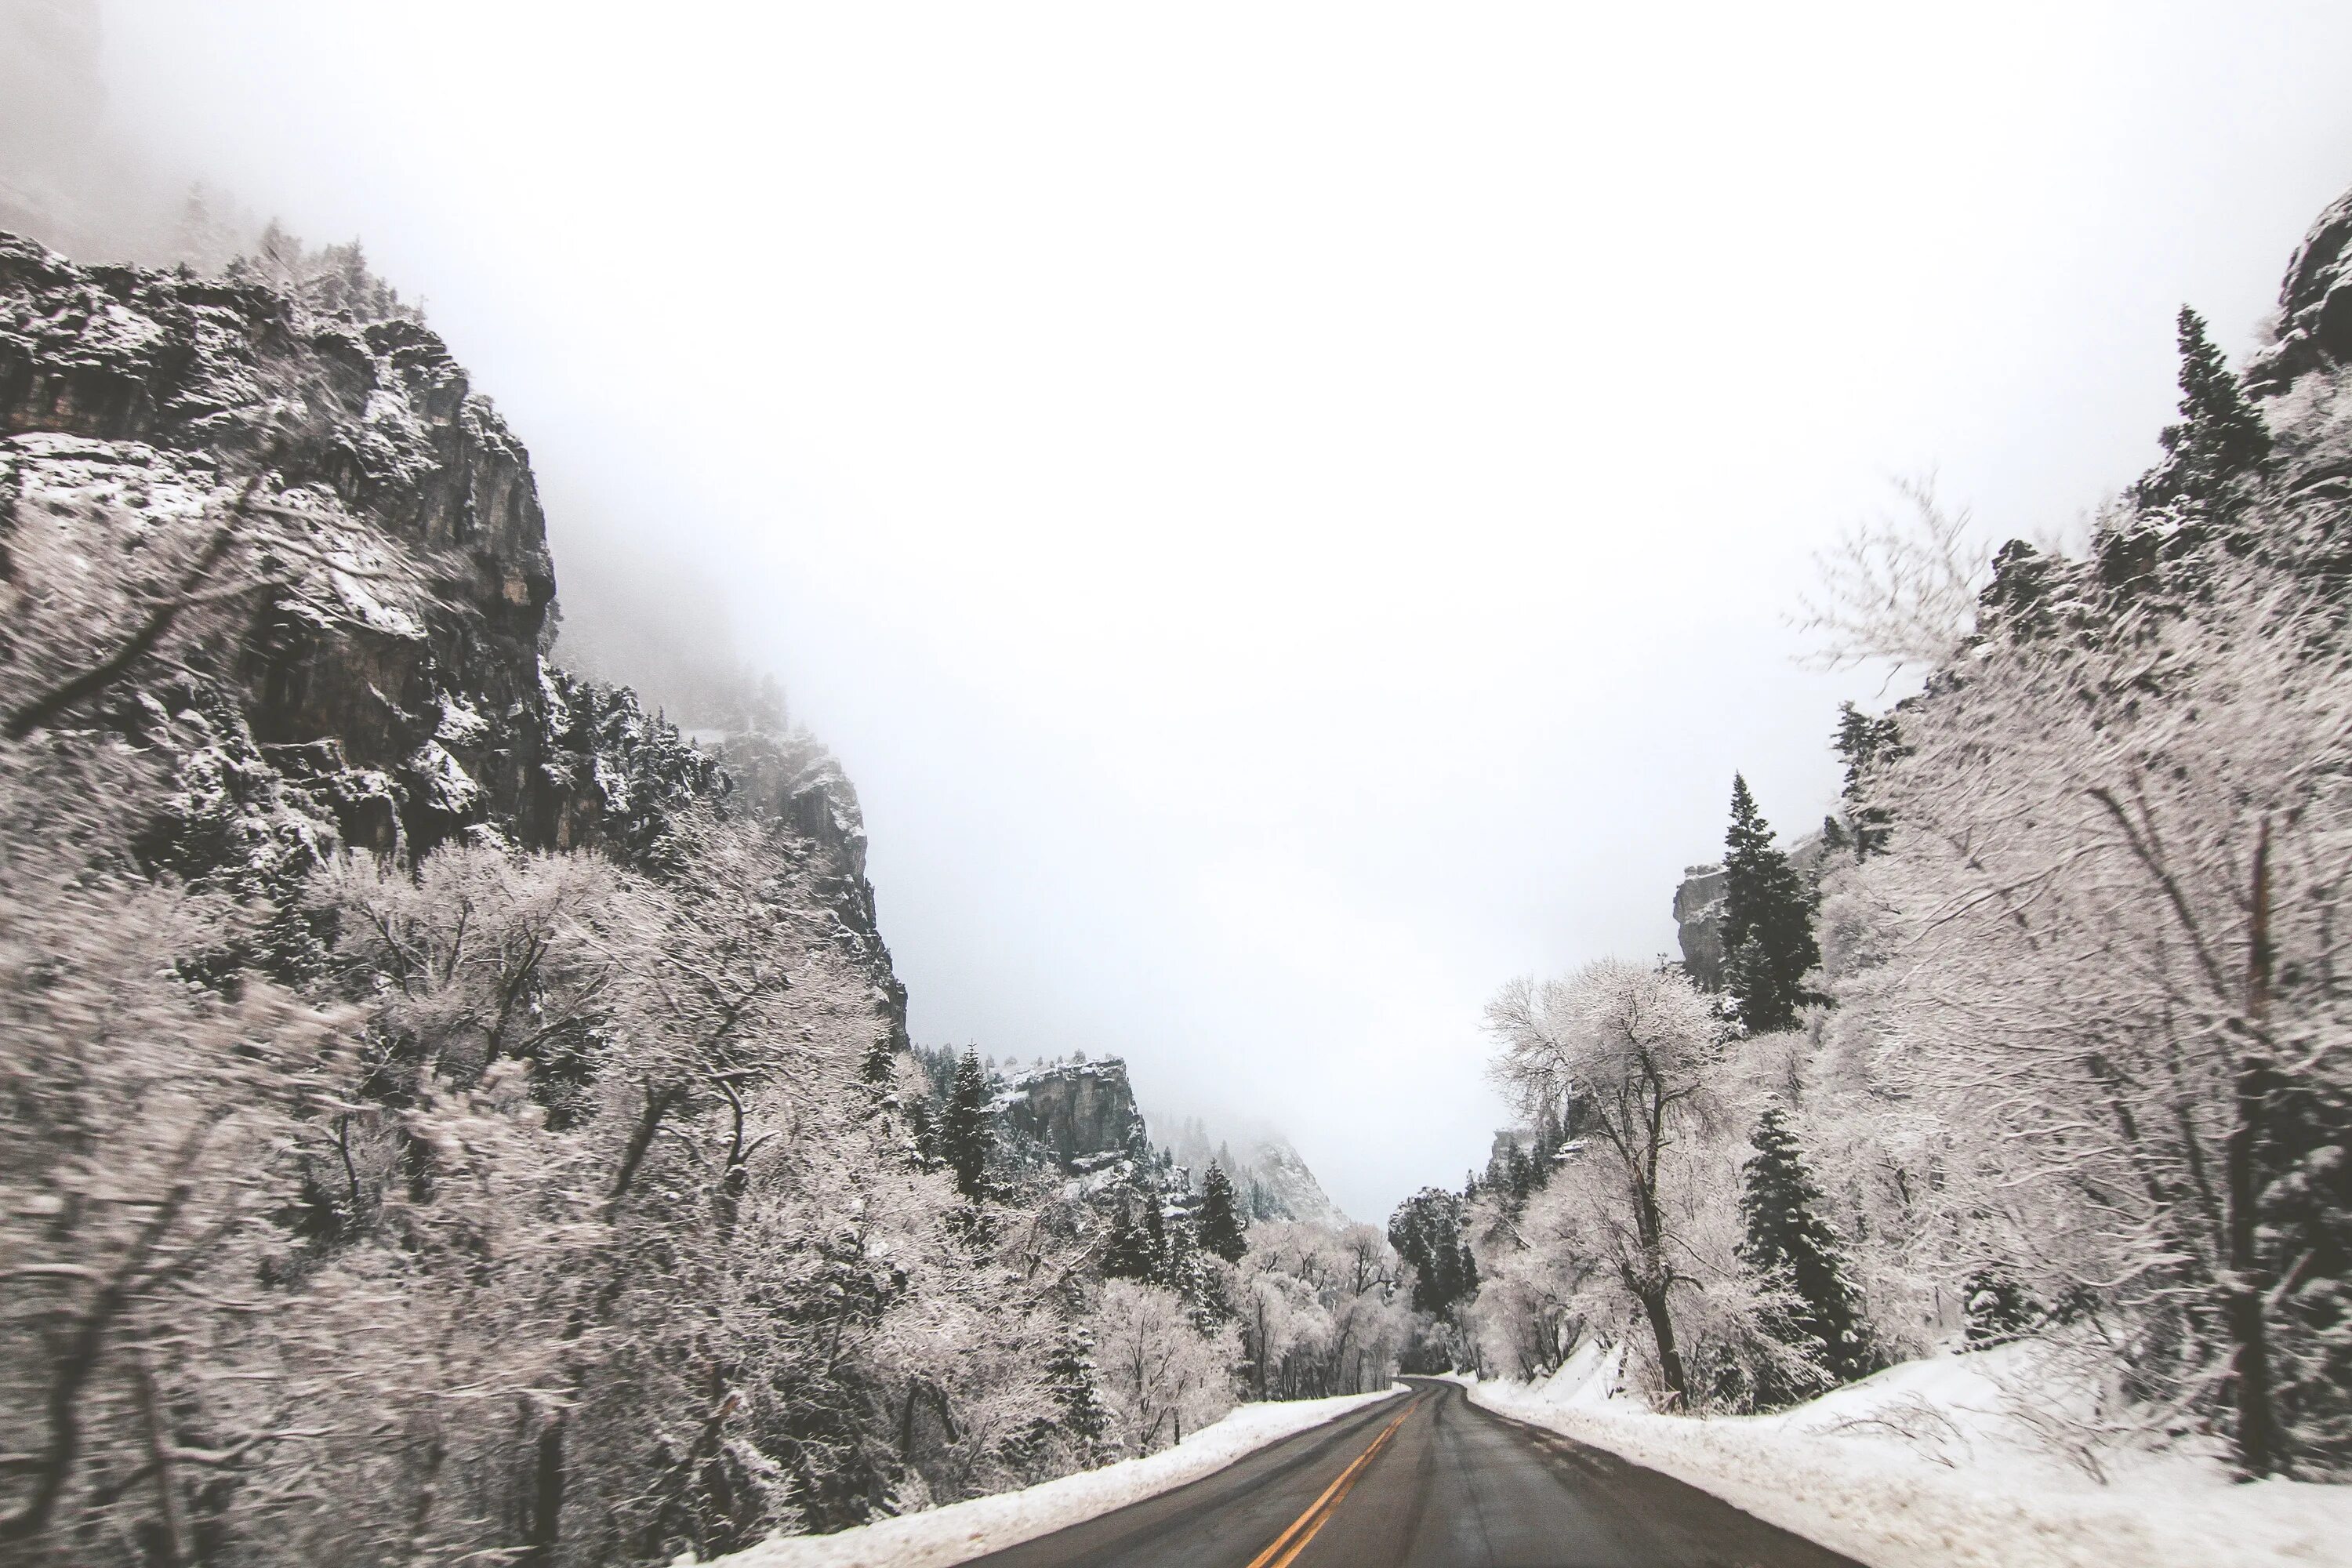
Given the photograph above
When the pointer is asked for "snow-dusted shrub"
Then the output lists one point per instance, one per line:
(1163, 1376)
(152, 1124)
(1321, 1310)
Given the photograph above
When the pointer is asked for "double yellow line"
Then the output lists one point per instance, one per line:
(1293, 1542)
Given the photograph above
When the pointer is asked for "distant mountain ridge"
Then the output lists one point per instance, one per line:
(1270, 1175)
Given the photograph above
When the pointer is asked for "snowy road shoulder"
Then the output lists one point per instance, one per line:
(1836, 1472)
(963, 1531)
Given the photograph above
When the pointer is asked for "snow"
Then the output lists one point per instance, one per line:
(1930, 1463)
(460, 724)
(372, 611)
(963, 1531)
(445, 784)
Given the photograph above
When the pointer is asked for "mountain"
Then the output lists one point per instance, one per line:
(1270, 1176)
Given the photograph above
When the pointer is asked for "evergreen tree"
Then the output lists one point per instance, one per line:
(1767, 922)
(1077, 1393)
(967, 1136)
(1155, 1237)
(2219, 438)
(2196, 491)
(1521, 1174)
(1133, 1249)
(1426, 1231)
(1995, 1309)
(923, 1130)
(1220, 1227)
(2018, 602)
(1791, 1246)
(1863, 742)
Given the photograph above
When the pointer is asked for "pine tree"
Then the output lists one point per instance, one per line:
(1995, 1309)
(968, 1135)
(1155, 1236)
(1792, 1247)
(1077, 1393)
(1767, 922)
(1521, 1174)
(1426, 1231)
(2197, 490)
(2219, 438)
(1220, 1228)
(1133, 1250)
(1863, 742)
(923, 1132)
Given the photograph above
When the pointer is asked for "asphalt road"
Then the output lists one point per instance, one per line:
(1427, 1480)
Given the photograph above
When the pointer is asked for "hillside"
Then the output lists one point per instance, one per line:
(499, 1099)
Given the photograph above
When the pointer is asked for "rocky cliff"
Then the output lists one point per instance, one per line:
(2303, 377)
(186, 385)
(1078, 1116)
(382, 685)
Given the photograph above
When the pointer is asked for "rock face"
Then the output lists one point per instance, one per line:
(1274, 1179)
(2314, 324)
(792, 779)
(1080, 1116)
(1698, 924)
(2303, 380)
(167, 379)
(391, 692)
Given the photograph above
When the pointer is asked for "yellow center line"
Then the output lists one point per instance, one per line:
(1319, 1511)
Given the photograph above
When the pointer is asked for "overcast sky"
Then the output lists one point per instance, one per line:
(1288, 514)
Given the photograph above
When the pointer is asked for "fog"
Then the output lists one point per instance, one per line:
(1290, 515)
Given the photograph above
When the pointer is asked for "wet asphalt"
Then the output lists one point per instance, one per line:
(1448, 1486)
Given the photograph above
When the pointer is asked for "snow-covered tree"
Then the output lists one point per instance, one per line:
(2111, 897)
(1799, 1257)
(151, 1127)
(1219, 1223)
(1767, 922)
(967, 1131)
(1636, 1044)
(1320, 1312)
(2218, 441)
(1163, 1375)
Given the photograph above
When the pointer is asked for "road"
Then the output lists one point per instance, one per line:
(1429, 1480)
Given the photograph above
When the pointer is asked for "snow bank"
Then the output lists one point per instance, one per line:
(1927, 1464)
(963, 1531)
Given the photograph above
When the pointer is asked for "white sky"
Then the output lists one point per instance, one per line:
(1287, 513)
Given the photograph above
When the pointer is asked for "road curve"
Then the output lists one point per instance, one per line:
(1427, 1481)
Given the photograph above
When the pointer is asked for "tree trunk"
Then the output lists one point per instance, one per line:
(1670, 1358)
(2250, 1359)
(641, 1138)
(170, 1547)
(544, 1495)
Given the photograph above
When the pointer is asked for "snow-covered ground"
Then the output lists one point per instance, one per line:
(1928, 1463)
(963, 1531)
